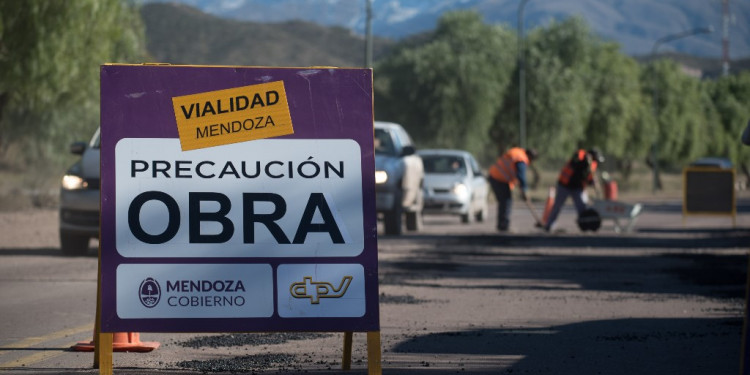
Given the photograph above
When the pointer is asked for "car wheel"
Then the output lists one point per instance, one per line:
(74, 244)
(481, 215)
(470, 214)
(392, 218)
(414, 220)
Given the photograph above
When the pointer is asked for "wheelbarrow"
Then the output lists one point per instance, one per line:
(623, 214)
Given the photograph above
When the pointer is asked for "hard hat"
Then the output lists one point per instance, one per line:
(531, 154)
(596, 154)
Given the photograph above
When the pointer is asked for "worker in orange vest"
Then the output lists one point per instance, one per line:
(509, 169)
(575, 176)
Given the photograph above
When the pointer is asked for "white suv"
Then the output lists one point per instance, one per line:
(399, 175)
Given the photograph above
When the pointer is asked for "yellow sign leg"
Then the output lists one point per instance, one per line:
(374, 366)
(98, 318)
(97, 342)
(102, 341)
(105, 354)
(346, 360)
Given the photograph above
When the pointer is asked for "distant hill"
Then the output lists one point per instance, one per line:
(634, 24)
(180, 34)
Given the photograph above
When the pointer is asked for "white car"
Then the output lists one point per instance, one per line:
(454, 184)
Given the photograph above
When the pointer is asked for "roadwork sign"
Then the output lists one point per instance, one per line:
(237, 199)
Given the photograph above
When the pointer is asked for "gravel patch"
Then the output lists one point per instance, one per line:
(252, 339)
(402, 300)
(245, 364)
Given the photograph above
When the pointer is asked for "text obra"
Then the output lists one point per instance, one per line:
(315, 203)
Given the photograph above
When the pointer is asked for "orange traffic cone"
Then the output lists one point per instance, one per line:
(549, 204)
(121, 342)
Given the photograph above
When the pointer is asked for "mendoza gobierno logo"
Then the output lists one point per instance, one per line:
(192, 293)
(149, 292)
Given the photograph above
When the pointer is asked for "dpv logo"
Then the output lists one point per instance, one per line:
(315, 290)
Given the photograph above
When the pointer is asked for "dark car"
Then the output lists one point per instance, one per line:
(399, 175)
(715, 162)
(79, 199)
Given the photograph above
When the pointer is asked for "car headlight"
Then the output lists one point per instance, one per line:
(381, 177)
(460, 189)
(73, 182)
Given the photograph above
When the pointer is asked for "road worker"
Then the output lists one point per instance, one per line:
(578, 173)
(508, 170)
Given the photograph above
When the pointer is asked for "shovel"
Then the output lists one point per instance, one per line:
(539, 223)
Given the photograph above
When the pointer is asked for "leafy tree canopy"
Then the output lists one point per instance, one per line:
(50, 53)
(447, 91)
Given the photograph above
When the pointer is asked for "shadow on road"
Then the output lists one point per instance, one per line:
(586, 264)
(693, 238)
(742, 206)
(706, 275)
(623, 346)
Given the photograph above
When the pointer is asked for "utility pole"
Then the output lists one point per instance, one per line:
(521, 78)
(725, 37)
(368, 34)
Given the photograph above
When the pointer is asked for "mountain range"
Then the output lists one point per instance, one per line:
(635, 24)
(180, 34)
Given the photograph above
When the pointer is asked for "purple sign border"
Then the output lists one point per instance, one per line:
(324, 103)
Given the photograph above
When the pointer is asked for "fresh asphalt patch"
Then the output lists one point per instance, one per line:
(244, 364)
(250, 339)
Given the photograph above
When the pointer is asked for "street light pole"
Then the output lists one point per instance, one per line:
(521, 78)
(655, 102)
(368, 33)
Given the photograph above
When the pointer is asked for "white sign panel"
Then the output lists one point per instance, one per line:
(321, 290)
(194, 291)
(269, 198)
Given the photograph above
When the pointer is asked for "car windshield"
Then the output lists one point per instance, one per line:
(444, 164)
(96, 140)
(384, 142)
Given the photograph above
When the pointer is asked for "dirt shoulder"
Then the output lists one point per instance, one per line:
(29, 228)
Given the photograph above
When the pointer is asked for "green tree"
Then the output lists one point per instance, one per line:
(730, 96)
(680, 112)
(558, 94)
(681, 116)
(50, 53)
(447, 91)
(619, 118)
(581, 92)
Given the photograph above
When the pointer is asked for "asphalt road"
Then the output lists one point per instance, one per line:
(667, 298)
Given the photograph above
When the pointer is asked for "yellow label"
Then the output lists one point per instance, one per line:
(233, 115)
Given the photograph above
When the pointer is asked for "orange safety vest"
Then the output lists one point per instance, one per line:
(504, 169)
(567, 172)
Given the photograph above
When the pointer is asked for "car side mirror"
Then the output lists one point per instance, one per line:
(77, 148)
(408, 150)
